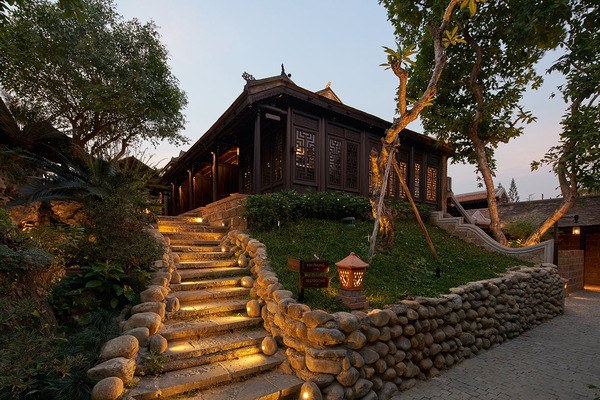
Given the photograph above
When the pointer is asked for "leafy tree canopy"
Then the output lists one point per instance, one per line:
(578, 153)
(504, 41)
(102, 80)
(477, 104)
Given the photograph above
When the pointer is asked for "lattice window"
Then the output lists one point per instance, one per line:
(351, 165)
(403, 166)
(305, 155)
(431, 184)
(335, 162)
(417, 181)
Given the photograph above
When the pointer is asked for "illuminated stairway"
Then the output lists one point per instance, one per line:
(214, 347)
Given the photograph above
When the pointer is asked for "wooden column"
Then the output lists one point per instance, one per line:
(256, 159)
(443, 193)
(190, 188)
(215, 174)
(172, 199)
(288, 151)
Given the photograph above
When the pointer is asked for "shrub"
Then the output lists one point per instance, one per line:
(518, 230)
(117, 231)
(267, 211)
(16, 253)
(38, 363)
(100, 285)
(404, 209)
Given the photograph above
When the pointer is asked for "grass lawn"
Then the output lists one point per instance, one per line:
(407, 270)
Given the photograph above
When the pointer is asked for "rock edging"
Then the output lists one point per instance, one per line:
(119, 356)
(373, 355)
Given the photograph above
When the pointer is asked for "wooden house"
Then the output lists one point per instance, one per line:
(277, 135)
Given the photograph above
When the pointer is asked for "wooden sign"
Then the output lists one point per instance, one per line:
(314, 281)
(316, 266)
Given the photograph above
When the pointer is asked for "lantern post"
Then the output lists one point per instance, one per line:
(351, 271)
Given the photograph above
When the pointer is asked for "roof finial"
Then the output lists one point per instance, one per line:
(328, 84)
(283, 72)
(247, 77)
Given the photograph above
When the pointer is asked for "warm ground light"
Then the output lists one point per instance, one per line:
(407, 270)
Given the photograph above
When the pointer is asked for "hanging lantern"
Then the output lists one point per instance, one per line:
(576, 229)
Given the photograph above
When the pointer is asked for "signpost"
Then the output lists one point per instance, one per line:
(313, 279)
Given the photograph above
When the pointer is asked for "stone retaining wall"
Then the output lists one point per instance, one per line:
(374, 354)
(228, 211)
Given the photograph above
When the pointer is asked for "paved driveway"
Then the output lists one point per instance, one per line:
(559, 359)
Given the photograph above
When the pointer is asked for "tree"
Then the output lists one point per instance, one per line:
(576, 159)
(102, 80)
(71, 8)
(513, 193)
(478, 98)
(437, 26)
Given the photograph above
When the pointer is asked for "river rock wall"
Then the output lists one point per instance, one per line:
(375, 354)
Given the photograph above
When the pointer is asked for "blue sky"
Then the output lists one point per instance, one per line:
(211, 43)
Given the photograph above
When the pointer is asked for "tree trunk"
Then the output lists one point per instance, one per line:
(568, 188)
(476, 89)
(484, 168)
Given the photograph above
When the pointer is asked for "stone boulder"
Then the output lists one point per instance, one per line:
(110, 388)
(126, 346)
(119, 367)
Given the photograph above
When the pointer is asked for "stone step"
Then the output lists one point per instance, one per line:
(206, 264)
(204, 284)
(211, 293)
(219, 356)
(198, 273)
(204, 308)
(173, 329)
(192, 353)
(178, 218)
(207, 345)
(271, 385)
(195, 236)
(174, 243)
(204, 255)
(193, 248)
(190, 227)
(205, 376)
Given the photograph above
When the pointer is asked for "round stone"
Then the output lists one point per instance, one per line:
(253, 308)
(175, 277)
(149, 320)
(109, 388)
(123, 346)
(269, 346)
(247, 282)
(173, 304)
(310, 391)
(158, 344)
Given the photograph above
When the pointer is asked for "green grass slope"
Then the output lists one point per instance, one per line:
(407, 270)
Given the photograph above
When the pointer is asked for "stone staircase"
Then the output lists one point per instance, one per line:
(214, 348)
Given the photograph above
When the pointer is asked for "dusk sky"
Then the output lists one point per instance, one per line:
(211, 43)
